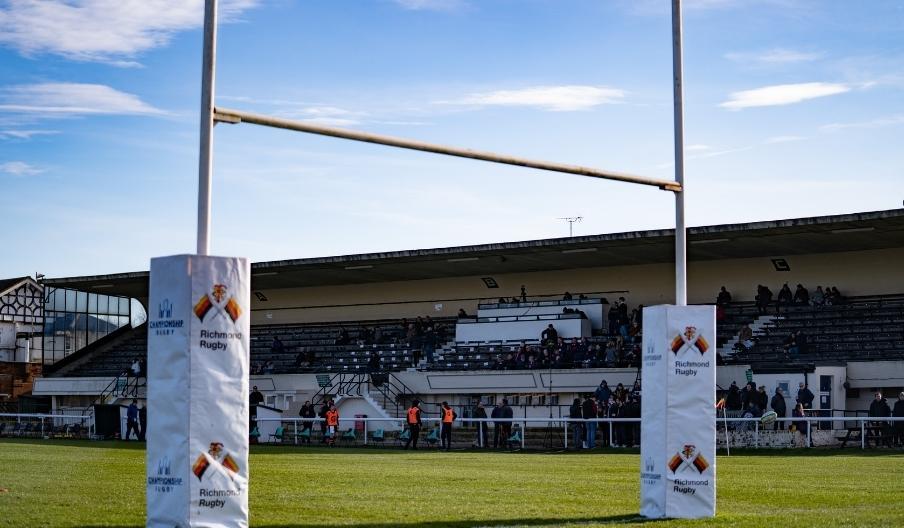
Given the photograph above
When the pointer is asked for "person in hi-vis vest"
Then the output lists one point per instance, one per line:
(332, 425)
(445, 434)
(413, 419)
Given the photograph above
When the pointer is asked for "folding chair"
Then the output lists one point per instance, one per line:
(278, 434)
(377, 436)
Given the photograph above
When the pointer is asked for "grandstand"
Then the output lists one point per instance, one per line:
(321, 326)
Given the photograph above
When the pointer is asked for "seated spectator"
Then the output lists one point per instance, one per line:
(515, 301)
(301, 360)
(611, 354)
(135, 369)
(785, 297)
(277, 346)
(582, 297)
(724, 297)
(502, 300)
(269, 367)
(837, 298)
(790, 345)
(343, 338)
(256, 368)
(462, 314)
(818, 299)
(373, 363)
(801, 295)
(567, 296)
(829, 295)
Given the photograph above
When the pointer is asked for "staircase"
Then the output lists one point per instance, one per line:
(757, 325)
(390, 396)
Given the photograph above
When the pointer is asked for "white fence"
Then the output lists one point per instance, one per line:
(868, 428)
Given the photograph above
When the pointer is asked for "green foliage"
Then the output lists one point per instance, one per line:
(56, 483)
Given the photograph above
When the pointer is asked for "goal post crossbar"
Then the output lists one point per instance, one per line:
(226, 115)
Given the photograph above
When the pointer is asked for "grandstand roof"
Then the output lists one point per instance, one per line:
(820, 234)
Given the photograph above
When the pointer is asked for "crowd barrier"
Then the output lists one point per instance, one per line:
(76, 426)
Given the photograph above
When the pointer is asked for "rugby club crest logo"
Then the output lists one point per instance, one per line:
(689, 340)
(219, 302)
(215, 455)
(688, 458)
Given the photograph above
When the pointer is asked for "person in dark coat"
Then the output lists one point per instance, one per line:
(879, 409)
(575, 413)
(800, 425)
(482, 429)
(733, 399)
(898, 412)
(307, 411)
(589, 412)
(778, 405)
(804, 396)
(497, 426)
(142, 422)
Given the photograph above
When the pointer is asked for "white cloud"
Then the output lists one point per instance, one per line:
(782, 94)
(25, 134)
(431, 5)
(783, 139)
(71, 99)
(892, 120)
(696, 148)
(773, 56)
(111, 31)
(568, 98)
(19, 168)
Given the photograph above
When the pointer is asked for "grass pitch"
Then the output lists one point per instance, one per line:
(57, 483)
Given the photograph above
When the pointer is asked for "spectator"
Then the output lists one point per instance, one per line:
(622, 317)
(790, 345)
(567, 296)
(837, 298)
(497, 426)
(800, 425)
(804, 396)
(132, 421)
(785, 297)
(324, 409)
(763, 298)
(135, 369)
(615, 411)
(277, 347)
(343, 338)
(762, 399)
(506, 413)
(142, 422)
(482, 429)
(613, 319)
(898, 412)
(269, 367)
(523, 294)
(373, 363)
(879, 409)
(142, 368)
(632, 429)
(778, 405)
(603, 392)
(590, 410)
(582, 297)
(307, 412)
(255, 398)
(829, 295)
(257, 368)
(801, 295)
(413, 419)
(818, 298)
(724, 297)
(549, 337)
(733, 399)
(575, 413)
(462, 314)
(745, 337)
(448, 415)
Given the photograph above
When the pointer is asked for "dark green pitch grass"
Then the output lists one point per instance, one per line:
(60, 483)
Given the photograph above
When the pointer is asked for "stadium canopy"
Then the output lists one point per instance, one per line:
(778, 238)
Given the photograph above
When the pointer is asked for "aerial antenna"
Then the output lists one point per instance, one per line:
(571, 220)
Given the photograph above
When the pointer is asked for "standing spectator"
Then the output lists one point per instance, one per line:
(523, 294)
(324, 409)
(879, 409)
(632, 410)
(603, 392)
(762, 399)
(763, 298)
(898, 412)
(448, 416)
(804, 396)
(615, 408)
(613, 318)
(733, 399)
(724, 297)
(462, 314)
(567, 296)
(132, 421)
(829, 295)
(255, 398)
(801, 295)
(413, 419)
(506, 413)
(550, 336)
(307, 412)
(143, 421)
(622, 317)
(576, 413)
(589, 411)
(837, 298)
(497, 426)
(482, 429)
(800, 425)
(135, 369)
(778, 405)
(277, 347)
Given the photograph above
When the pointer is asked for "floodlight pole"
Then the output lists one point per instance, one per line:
(680, 229)
(205, 161)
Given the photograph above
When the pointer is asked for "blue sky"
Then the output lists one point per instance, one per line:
(793, 108)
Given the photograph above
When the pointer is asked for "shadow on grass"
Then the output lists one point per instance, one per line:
(72, 442)
(476, 523)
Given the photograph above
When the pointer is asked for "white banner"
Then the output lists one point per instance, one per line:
(198, 357)
(678, 432)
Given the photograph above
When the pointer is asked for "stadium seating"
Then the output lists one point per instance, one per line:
(862, 329)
